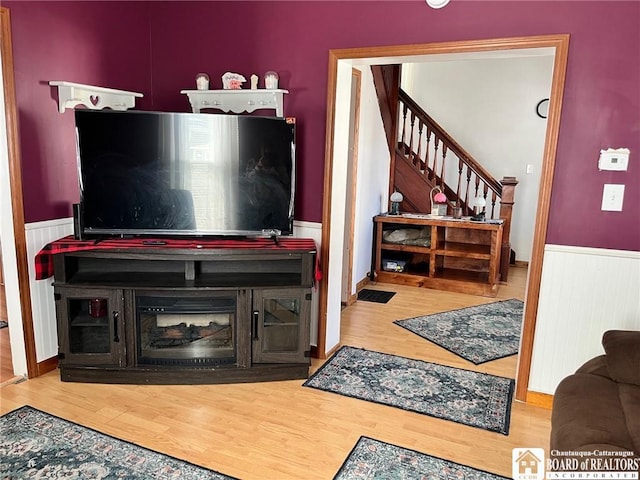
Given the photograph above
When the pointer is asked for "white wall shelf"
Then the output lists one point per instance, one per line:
(71, 95)
(237, 101)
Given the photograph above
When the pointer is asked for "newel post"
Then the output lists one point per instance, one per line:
(506, 210)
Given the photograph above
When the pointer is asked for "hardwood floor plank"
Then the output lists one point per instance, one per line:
(283, 431)
(6, 365)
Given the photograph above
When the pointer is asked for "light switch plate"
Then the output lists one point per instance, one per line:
(612, 196)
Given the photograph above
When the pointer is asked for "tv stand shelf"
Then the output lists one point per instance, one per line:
(438, 252)
(248, 302)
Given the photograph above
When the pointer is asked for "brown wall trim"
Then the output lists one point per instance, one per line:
(359, 286)
(15, 174)
(561, 45)
(48, 365)
(543, 400)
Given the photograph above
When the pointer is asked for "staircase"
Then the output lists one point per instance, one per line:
(425, 156)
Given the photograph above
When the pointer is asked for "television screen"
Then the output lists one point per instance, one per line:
(162, 173)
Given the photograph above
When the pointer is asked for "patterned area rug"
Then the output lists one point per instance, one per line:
(471, 398)
(478, 334)
(35, 444)
(373, 459)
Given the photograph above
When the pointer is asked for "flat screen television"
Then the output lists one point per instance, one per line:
(161, 173)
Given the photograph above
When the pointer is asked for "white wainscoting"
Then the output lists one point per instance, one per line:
(583, 293)
(39, 234)
(314, 231)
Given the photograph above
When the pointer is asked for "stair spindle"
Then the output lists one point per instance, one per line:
(419, 152)
(404, 123)
(411, 137)
(436, 143)
(444, 158)
(494, 198)
(427, 172)
(485, 191)
(466, 195)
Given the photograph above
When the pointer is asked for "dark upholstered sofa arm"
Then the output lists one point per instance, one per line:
(596, 366)
(599, 405)
(622, 348)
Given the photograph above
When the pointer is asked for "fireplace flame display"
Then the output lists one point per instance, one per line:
(183, 331)
(183, 334)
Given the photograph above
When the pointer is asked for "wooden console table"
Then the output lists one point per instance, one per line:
(438, 252)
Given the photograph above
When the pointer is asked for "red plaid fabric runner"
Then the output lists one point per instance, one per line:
(44, 258)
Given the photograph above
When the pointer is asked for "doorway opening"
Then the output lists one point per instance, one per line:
(333, 219)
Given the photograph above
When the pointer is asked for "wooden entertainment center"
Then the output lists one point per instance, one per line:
(444, 253)
(181, 311)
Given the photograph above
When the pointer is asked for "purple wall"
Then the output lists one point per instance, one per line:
(98, 44)
(158, 47)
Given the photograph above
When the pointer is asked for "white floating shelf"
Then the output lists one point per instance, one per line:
(237, 101)
(95, 98)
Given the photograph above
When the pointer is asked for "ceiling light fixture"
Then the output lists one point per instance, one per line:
(437, 3)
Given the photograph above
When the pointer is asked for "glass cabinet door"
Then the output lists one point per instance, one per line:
(90, 327)
(280, 326)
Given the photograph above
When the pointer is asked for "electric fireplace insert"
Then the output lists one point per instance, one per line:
(194, 330)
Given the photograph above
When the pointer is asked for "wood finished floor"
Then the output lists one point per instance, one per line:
(6, 366)
(283, 431)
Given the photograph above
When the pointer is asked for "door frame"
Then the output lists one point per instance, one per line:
(560, 44)
(351, 200)
(17, 205)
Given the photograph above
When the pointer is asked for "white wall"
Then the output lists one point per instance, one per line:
(488, 106)
(372, 177)
(583, 293)
(338, 198)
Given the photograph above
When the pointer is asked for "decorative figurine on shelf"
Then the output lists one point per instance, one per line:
(396, 199)
(254, 82)
(438, 202)
(271, 80)
(202, 81)
(232, 81)
(479, 203)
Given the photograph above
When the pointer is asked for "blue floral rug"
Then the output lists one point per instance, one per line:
(373, 459)
(478, 334)
(471, 398)
(35, 444)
